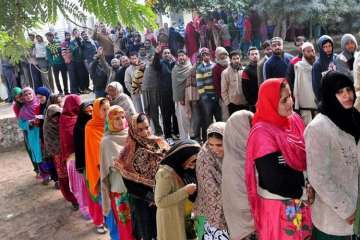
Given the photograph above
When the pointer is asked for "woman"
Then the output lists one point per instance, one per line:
(47, 168)
(85, 115)
(208, 205)
(67, 124)
(29, 123)
(94, 132)
(52, 140)
(171, 192)
(234, 196)
(117, 96)
(55, 99)
(115, 199)
(275, 164)
(18, 101)
(333, 156)
(138, 164)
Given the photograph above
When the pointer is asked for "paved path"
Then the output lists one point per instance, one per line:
(30, 210)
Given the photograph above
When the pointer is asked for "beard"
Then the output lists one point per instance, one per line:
(310, 59)
(235, 66)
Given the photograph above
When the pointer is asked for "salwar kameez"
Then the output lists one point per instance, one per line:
(78, 188)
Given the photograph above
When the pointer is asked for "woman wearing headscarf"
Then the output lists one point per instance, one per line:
(17, 104)
(94, 132)
(275, 165)
(51, 138)
(117, 96)
(138, 164)
(84, 116)
(55, 99)
(29, 123)
(115, 199)
(46, 167)
(208, 205)
(333, 156)
(234, 196)
(172, 191)
(67, 160)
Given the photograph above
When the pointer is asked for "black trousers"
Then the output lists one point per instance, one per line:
(57, 69)
(233, 108)
(79, 76)
(167, 107)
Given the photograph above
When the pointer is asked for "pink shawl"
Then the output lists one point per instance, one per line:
(265, 138)
(29, 109)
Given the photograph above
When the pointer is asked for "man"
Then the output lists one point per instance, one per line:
(89, 48)
(125, 63)
(112, 71)
(249, 79)
(105, 41)
(143, 57)
(266, 47)
(176, 41)
(276, 66)
(149, 48)
(344, 62)
(325, 63)
(164, 66)
(290, 72)
(179, 75)
(231, 89)
(120, 42)
(98, 75)
(303, 93)
(79, 76)
(56, 62)
(222, 62)
(151, 95)
(42, 64)
(130, 77)
(134, 45)
(209, 101)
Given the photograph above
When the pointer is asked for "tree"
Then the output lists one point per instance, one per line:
(18, 16)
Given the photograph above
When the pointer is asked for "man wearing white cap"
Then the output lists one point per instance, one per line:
(303, 92)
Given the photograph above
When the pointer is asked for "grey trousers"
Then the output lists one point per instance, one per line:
(151, 107)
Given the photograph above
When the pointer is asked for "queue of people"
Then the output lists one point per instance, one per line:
(146, 160)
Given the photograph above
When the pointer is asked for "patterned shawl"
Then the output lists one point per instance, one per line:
(140, 159)
(209, 176)
(51, 130)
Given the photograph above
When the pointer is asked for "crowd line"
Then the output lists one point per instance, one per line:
(176, 146)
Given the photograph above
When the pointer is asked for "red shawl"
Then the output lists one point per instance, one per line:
(67, 123)
(190, 39)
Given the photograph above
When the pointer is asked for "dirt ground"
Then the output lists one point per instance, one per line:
(30, 210)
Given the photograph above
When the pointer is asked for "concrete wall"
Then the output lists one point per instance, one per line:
(10, 134)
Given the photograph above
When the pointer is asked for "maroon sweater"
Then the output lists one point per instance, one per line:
(217, 70)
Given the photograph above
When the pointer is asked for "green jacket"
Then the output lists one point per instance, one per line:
(76, 50)
(53, 53)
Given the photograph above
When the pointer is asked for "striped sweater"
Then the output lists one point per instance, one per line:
(204, 80)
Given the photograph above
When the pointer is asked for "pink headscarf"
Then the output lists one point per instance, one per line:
(29, 109)
(268, 137)
(67, 123)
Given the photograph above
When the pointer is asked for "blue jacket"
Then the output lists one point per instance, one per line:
(323, 64)
(276, 67)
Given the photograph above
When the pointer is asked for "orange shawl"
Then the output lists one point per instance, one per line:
(94, 131)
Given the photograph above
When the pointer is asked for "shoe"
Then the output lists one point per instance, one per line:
(67, 93)
(46, 181)
(170, 141)
(75, 206)
(57, 185)
(101, 229)
(175, 136)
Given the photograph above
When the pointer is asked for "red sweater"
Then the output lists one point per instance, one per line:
(217, 70)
